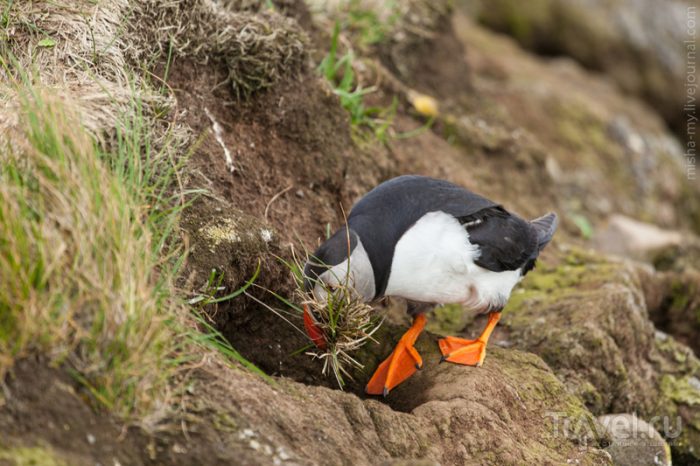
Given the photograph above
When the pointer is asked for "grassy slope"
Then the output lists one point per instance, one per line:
(83, 279)
(91, 190)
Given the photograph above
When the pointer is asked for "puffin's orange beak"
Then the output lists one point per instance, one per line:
(312, 329)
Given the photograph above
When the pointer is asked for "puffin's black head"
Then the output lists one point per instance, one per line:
(333, 252)
(342, 259)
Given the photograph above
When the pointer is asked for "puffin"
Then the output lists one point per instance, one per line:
(430, 242)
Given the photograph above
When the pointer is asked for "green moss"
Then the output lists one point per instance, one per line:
(680, 297)
(572, 134)
(540, 386)
(680, 390)
(691, 203)
(590, 395)
(580, 256)
(449, 319)
(29, 456)
(579, 128)
(579, 271)
(564, 276)
(676, 357)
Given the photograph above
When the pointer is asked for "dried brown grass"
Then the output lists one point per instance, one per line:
(257, 47)
(76, 49)
(347, 323)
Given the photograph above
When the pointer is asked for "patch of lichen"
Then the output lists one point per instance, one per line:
(226, 233)
(685, 390)
(29, 456)
(230, 246)
(678, 407)
(675, 357)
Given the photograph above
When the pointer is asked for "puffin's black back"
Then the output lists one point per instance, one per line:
(384, 214)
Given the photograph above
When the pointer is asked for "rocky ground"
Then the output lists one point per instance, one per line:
(596, 330)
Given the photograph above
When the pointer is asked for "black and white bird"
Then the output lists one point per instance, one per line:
(429, 241)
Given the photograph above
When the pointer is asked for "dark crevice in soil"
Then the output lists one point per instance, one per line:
(677, 317)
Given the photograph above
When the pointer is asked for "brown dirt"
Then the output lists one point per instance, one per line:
(43, 408)
(431, 65)
(292, 150)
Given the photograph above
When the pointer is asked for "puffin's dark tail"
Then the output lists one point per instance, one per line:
(545, 227)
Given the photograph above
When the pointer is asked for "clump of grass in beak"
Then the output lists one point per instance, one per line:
(345, 323)
(337, 325)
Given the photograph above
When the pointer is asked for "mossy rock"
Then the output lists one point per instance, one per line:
(605, 36)
(587, 318)
(514, 397)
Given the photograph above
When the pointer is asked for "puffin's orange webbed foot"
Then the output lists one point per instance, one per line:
(468, 352)
(461, 351)
(401, 363)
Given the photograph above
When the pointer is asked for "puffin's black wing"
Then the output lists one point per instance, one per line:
(384, 214)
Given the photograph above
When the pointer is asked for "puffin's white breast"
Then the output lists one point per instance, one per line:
(434, 262)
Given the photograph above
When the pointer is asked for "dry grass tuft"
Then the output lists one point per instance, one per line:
(77, 48)
(256, 47)
(345, 319)
(347, 323)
